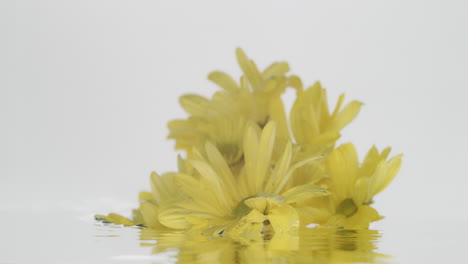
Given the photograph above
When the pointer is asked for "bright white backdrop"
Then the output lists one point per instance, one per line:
(87, 87)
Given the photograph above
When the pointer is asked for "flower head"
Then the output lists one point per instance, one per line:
(354, 186)
(221, 119)
(221, 201)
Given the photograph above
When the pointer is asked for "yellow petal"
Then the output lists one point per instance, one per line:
(250, 157)
(115, 219)
(284, 220)
(338, 106)
(224, 81)
(370, 162)
(346, 115)
(264, 204)
(384, 173)
(305, 115)
(150, 213)
(181, 164)
(342, 166)
(295, 82)
(276, 69)
(204, 199)
(278, 115)
(280, 171)
(163, 187)
(329, 137)
(361, 192)
(283, 180)
(207, 172)
(143, 196)
(223, 171)
(194, 104)
(385, 153)
(249, 226)
(362, 218)
(174, 218)
(249, 68)
(263, 155)
(303, 192)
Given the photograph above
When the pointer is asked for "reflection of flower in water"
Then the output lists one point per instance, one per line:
(313, 245)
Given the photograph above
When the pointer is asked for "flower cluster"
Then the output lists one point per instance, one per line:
(250, 171)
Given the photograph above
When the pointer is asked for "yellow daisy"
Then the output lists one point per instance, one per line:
(164, 194)
(315, 130)
(312, 124)
(354, 186)
(251, 173)
(221, 119)
(247, 204)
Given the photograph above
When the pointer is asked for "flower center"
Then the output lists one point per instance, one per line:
(347, 207)
(242, 209)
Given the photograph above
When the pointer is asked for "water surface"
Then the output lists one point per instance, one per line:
(67, 233)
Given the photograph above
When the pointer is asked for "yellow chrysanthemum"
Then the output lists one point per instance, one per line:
(316, 130)
(313, 124)
(164, 194)
(354, 186)
(221, 119)
(219, 201)
(249, 172)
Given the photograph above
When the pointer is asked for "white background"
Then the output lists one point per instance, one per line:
(87, 87)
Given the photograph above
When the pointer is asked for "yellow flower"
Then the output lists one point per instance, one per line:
(251, 173)
(221, 119)
(247, 204)
(312, 123)
(316, 129)
(354, 186)
(164, 194)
